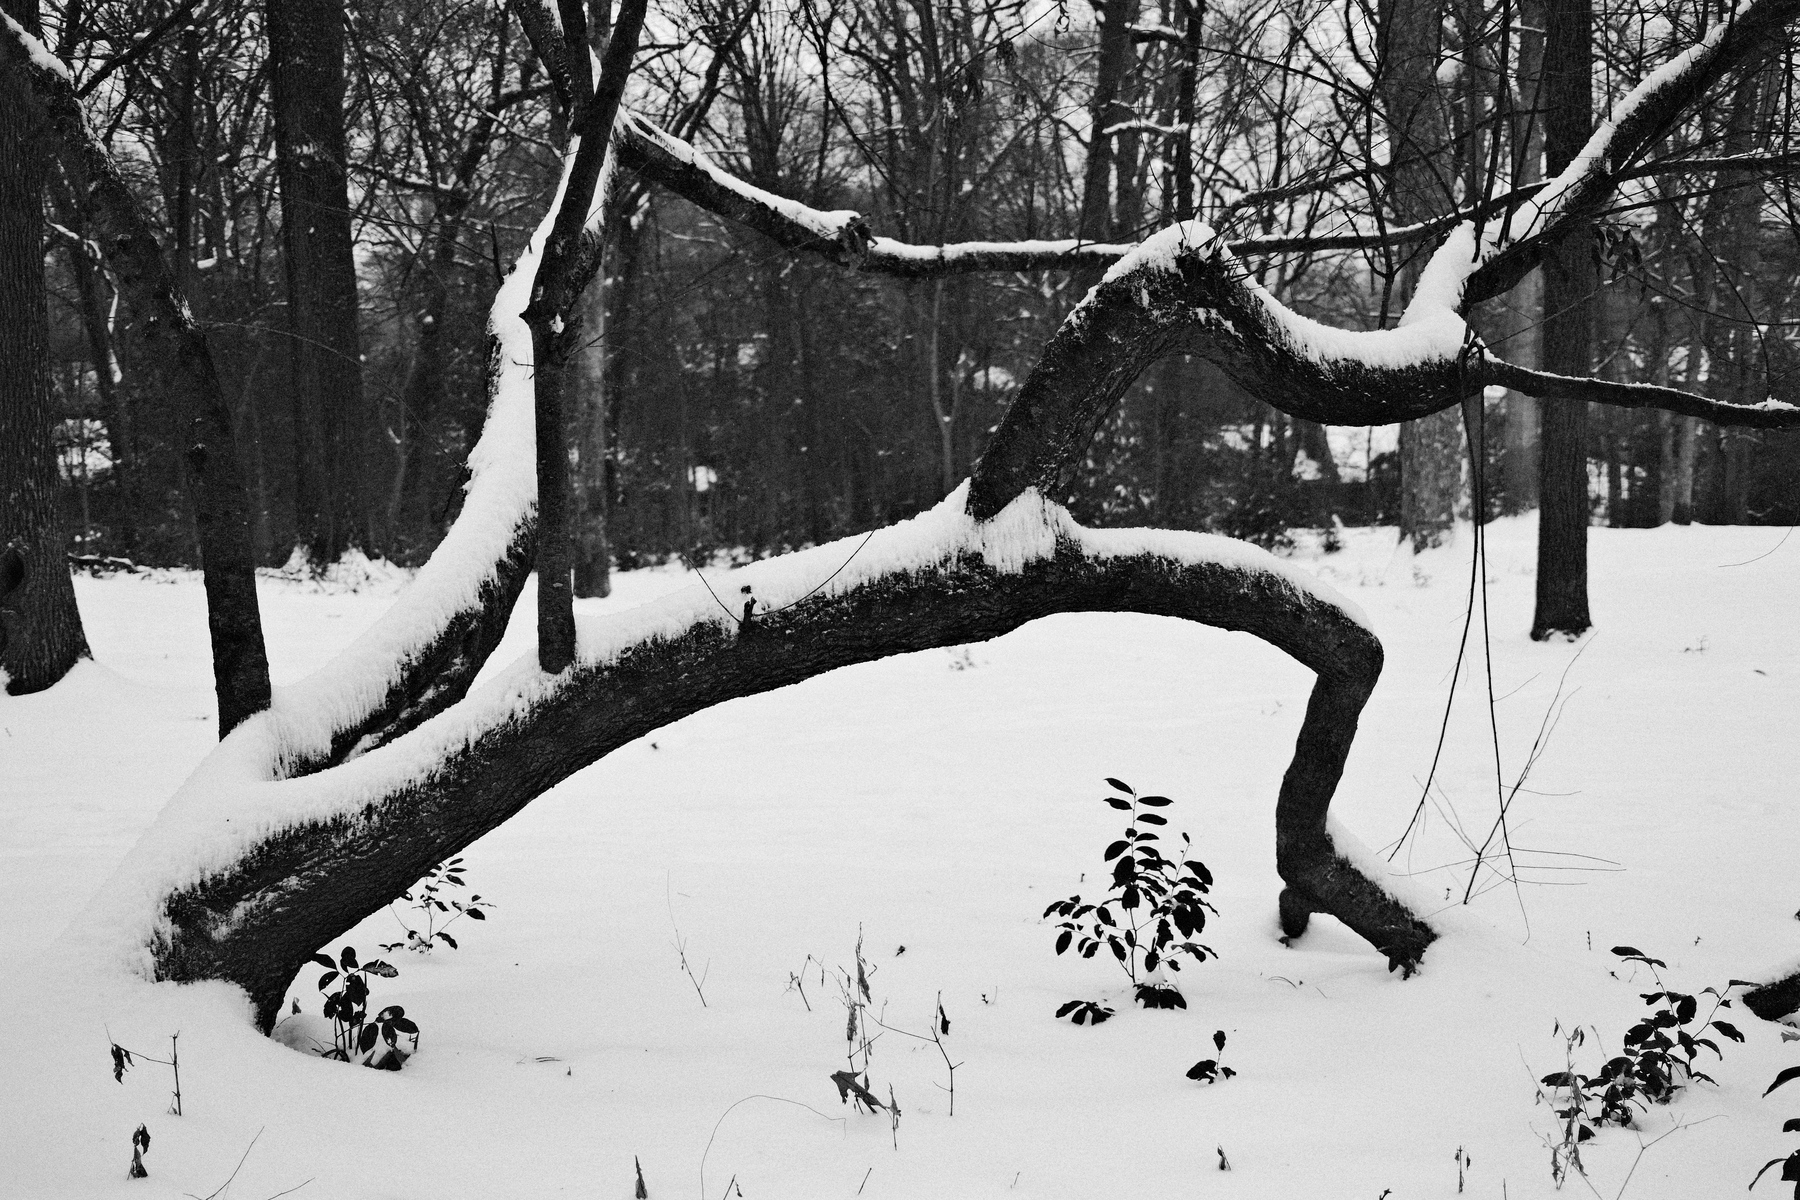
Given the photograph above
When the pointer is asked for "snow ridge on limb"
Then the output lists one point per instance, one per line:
(422, 654)
(242, 879)
(1182, 291)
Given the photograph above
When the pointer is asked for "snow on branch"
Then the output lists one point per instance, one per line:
(844, 237)
(1511, 246)
(1769, 414)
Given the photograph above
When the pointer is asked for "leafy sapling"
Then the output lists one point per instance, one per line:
(356, 1036)
(431, 909)
(1790, 1166)
(1208, 1070)
(1658, 1057)
(1154, 910)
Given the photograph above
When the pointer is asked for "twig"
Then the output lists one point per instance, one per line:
(681, 947)
(234, 1172)
(715, 1129)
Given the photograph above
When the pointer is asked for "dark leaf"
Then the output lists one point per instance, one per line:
(1116, 785)
(1118, 948)
(141, 1139)
(1561, 1079)
(1584, 1134)
(1068, 1008)
(447, 938)
(1152, 819)
(1219, 1041)
(1123, 870)
(475, 914)
(366, 1042)
(347, 959)
(1685, 1009)
(1155, 801)
(1132, 897)
(390, 1012)
(1063, 939)
(405, 1025)
(326, 978)
(1118, 803)
(1729, 1030)
(1117, 848)
(378, 967)
(1790, 1171)
(323, 961)
(1205, 1069)
(1791, 1125)
(1787, 1076)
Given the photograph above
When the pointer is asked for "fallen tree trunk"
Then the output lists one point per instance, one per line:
(941, 580)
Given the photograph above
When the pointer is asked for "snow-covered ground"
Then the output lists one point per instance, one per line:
(938, 802)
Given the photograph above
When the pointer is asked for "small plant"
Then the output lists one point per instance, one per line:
(853, 990)
(1790, 1166)
(428, 905)
(122, 1059)
(1085, 1012)
(354, 1034)
(1208, 1070)
(140, 1146)
(1161, 905)
(1657, 1061)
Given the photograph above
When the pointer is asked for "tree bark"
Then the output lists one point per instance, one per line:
(1570, 280)
(40, 628)
(331, 422)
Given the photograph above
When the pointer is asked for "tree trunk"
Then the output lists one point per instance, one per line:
(40, 629)
(592, 557)
(331, 423)
(1570, 280)
(176, 364)
(1431, 447)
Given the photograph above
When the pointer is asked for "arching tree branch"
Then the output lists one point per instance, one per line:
(940, 580)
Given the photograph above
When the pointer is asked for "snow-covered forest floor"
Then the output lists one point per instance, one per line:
(938, 802)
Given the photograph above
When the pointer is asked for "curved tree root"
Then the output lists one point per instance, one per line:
(256, 922)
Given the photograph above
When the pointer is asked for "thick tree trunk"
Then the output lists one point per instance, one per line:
(1570, 280)
(40, 629)
(331, 422)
